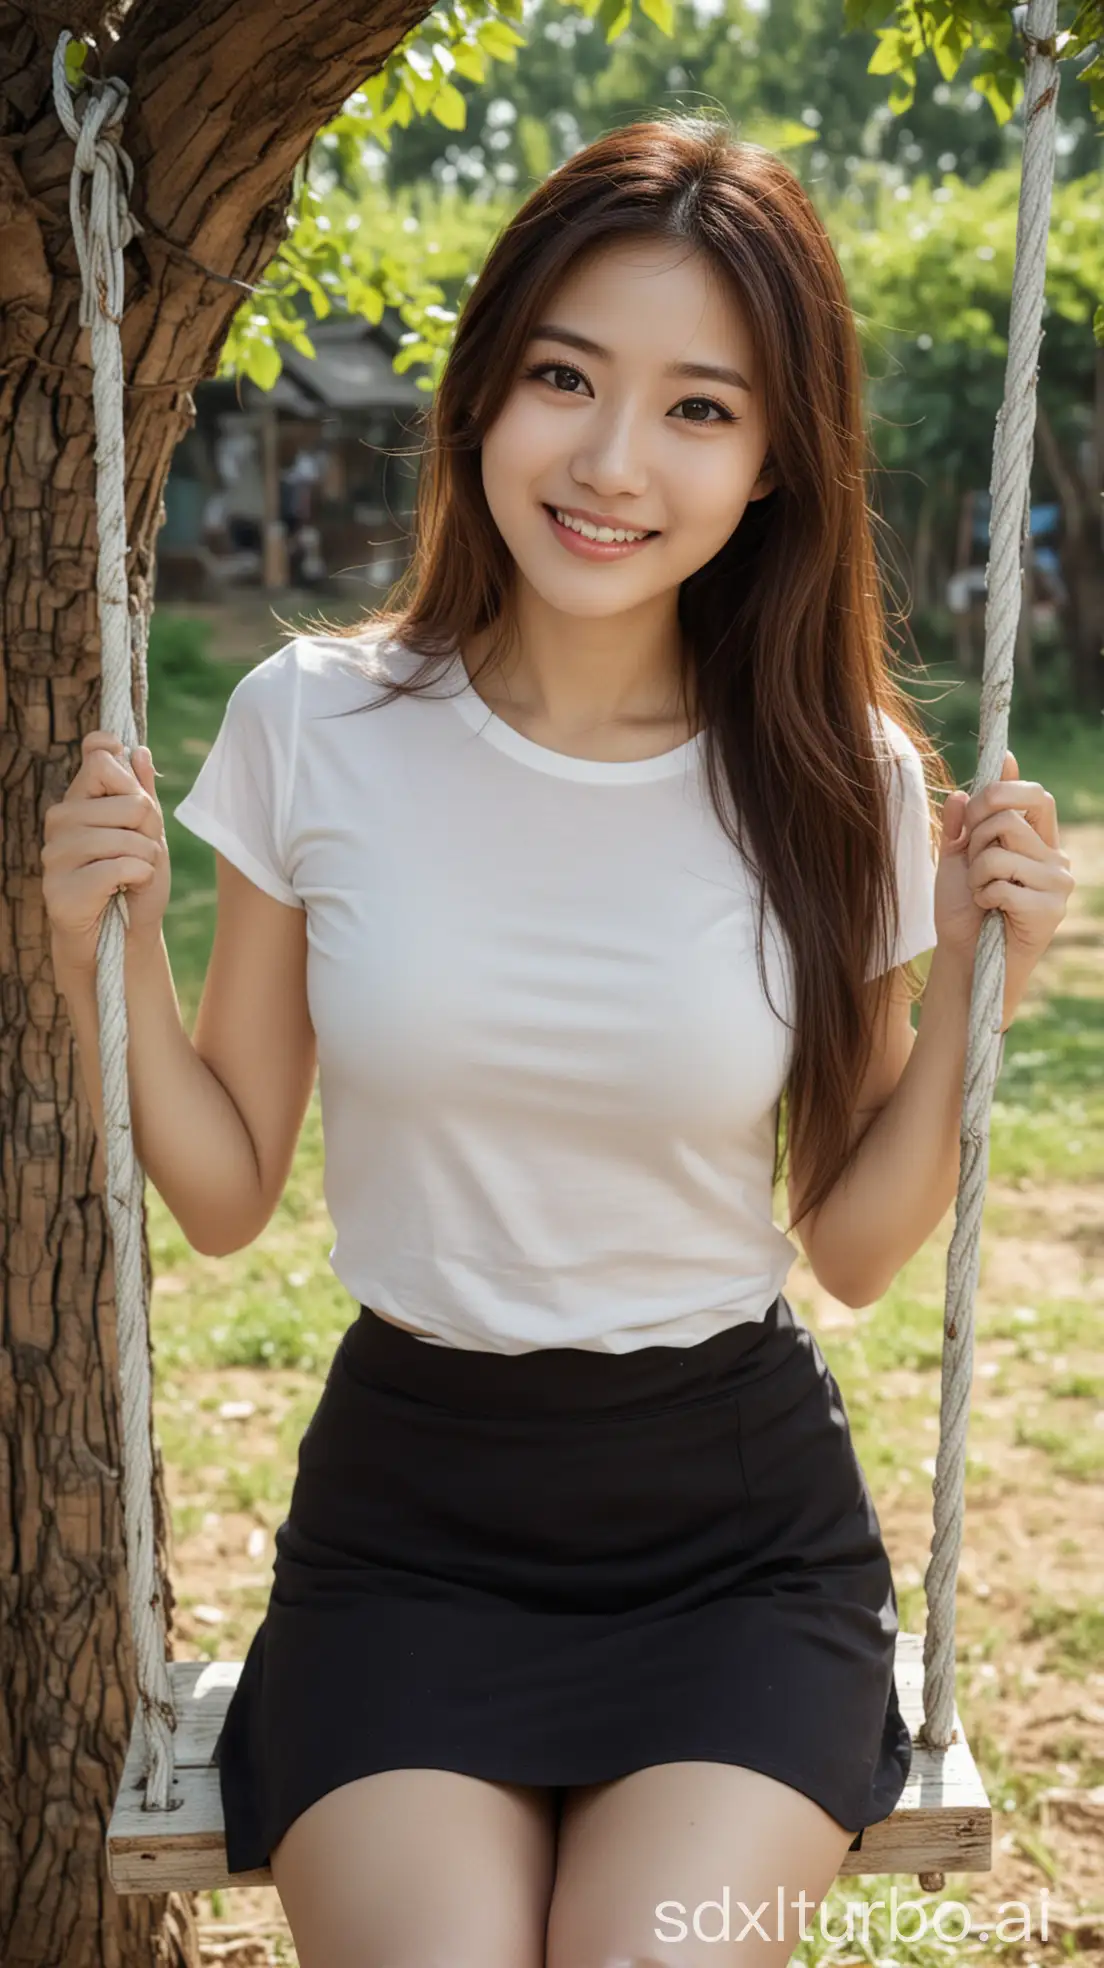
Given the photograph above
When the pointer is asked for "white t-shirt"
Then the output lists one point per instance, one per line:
(548, 1073)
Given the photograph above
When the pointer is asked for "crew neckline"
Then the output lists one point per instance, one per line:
(564, 765)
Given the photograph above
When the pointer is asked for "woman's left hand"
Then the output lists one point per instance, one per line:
(1000, 850)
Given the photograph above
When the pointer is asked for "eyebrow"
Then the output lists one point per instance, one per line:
(711, 371)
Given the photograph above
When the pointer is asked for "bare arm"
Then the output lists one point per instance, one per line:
(188, 1134)
(905, 1173)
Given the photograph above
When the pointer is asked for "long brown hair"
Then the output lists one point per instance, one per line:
(785, 628)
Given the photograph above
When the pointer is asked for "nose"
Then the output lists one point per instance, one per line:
(609, 459)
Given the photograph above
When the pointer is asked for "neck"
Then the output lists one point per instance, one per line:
(570, 675)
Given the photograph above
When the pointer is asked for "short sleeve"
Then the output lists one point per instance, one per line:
(240, 800)
(916, 858)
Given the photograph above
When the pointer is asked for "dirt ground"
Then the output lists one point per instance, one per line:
(1023, 1523)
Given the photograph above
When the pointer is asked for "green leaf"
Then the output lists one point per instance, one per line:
(614, 17)
(951, 41)
(500, 41)
(469, 62)
(420, 90)
(375, 89)
(367, 300)
(776, 132)
(1098, 323)
(995, 89)
(891, 52)
(261, 363)
(76, 54)
(420, 61)
(947, 61)
(866, 13)
(414, 352)
(662, 12)
(320, 300)
(449, 107)
(296, 334)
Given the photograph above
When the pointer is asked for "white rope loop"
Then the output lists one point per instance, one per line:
(99, 247)
(1009, 517)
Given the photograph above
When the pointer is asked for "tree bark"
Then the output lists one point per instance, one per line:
(224, 101)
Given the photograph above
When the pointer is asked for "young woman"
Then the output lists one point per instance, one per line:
(580, 1643)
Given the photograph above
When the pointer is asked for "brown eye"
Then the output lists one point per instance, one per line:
(725, 417)
(542, 369)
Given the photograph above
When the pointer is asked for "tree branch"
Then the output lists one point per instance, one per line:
(286, 74)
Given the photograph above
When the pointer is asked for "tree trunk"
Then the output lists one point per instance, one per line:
(1083, 613)
(224, 101)
(1086, 580)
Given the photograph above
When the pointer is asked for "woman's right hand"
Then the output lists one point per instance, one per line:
(106, 834)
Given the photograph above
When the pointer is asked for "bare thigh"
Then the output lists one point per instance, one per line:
(419, 1869)
(687, 1834)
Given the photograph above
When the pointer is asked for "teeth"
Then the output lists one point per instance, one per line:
(603, 533)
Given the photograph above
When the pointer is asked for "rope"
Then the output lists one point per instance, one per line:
(100, 241)
(100, 244)
(1010, 492)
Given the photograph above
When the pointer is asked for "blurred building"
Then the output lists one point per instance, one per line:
(303, 485)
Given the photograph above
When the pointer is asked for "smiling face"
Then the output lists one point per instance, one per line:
(614, 433)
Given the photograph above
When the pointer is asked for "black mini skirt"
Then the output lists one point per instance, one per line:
(560, 1566)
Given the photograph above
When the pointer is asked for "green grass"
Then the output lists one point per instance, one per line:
(1052, 744)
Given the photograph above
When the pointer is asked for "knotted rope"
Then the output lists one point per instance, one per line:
(99, 241)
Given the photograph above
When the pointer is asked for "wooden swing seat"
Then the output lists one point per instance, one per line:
(942, 1824)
